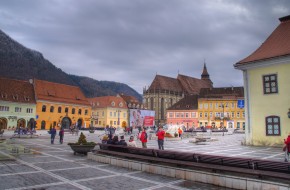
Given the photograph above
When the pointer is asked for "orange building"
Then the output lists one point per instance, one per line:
(60, 105)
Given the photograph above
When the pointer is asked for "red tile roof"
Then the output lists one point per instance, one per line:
(129, 99)
(106, 101)
(165, 83)
(276, 45)
(189, 102)
(62, 93)
(16, 91)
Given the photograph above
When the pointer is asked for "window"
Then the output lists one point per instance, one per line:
(270, 84)
(216, 105)
(243, 114)
(73, 111)
(59, 109)
(200, 114)
(51, 109)
(177, 115)
(193, 114)
(238, 114)
(80, 112)
(210, 114)
(170, 115)
(66, 110)
(4, 108)
(103, 113)
(233, 105)
(186, 115)
(200, 106)
(17, 109)
(182, 115)
(115, 114)
(43, 108)
(210, 105)
(86, 112)
(111, 114)
(205, 106)
(273, 126)
(29, 110)
(233, 114)
(124, 115)
(113, 103)
(205, 114)
(238, 125)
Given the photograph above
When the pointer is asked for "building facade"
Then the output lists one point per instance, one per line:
(218, 107)
(60, 105)
(17, 104)
(165, 91)
(109, 110)
(184, 112)
(266, 81)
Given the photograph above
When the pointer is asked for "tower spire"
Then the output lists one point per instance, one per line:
(205, 75)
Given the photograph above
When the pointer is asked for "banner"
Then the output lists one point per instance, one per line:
(141, 118)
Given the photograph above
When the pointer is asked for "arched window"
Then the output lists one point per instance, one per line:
(51, 109)
(152, 103)
(73, 111)
(59, 109)
(80, 112)
(273, 125)
(66, 110)
(44, 108)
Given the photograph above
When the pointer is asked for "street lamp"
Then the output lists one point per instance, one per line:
(223, 106)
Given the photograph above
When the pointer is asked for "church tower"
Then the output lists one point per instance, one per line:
(205, 75)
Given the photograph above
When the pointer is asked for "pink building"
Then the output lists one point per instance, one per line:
(184, 112)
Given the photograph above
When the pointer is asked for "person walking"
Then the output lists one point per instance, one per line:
(180, 132)
(52, 134)
(287, 148)
(160, 138)
(143, 138)
(61, 134)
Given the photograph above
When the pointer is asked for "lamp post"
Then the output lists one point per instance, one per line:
(223, 106)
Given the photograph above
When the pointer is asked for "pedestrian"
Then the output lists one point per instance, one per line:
(131, 142)
(143, 138)
(61, 134)
(160, 138)
(52, 134)
(115, 140)
(287, 148)
(122, 141)
(180, 132)
(105, 139)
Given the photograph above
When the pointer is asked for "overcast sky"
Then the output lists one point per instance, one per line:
(129, 41)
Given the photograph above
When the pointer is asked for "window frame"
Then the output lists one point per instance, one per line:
(273, 123)
(269, 82)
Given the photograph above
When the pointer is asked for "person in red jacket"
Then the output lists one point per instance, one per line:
(160, 138)
(287, 151)
(143, 138)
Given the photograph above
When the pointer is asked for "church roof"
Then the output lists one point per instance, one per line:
(276, 45)
(165, 83)
(192, 85)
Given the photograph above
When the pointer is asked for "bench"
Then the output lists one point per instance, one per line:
(211, 163)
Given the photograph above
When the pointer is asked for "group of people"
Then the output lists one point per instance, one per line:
(143, 137)
(53, 132)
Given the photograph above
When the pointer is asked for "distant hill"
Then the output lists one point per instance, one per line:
(19, 62)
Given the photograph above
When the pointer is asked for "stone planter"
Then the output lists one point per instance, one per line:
(81, 149)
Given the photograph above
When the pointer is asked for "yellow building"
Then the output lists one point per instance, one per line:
(267, 89)
(60, 105)
(109, 110)
(218, 107)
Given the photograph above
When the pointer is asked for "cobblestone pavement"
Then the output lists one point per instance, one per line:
(33, 163)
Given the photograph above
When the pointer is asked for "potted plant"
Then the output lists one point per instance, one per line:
(82, 146)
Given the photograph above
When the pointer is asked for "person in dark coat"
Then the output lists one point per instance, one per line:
(52, 135)
(61, 134)
(115, 140)
(122, 141)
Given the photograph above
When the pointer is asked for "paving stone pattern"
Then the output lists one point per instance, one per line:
(39, 165)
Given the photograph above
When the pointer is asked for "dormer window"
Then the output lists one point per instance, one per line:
(120, 104)
(4, 95)
(78, 98)
(15, 97)
(98, 103)
(113, 103)
(26, 98)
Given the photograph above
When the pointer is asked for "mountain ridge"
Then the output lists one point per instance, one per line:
(20, 62)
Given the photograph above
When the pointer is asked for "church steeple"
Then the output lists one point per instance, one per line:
(205, 75)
